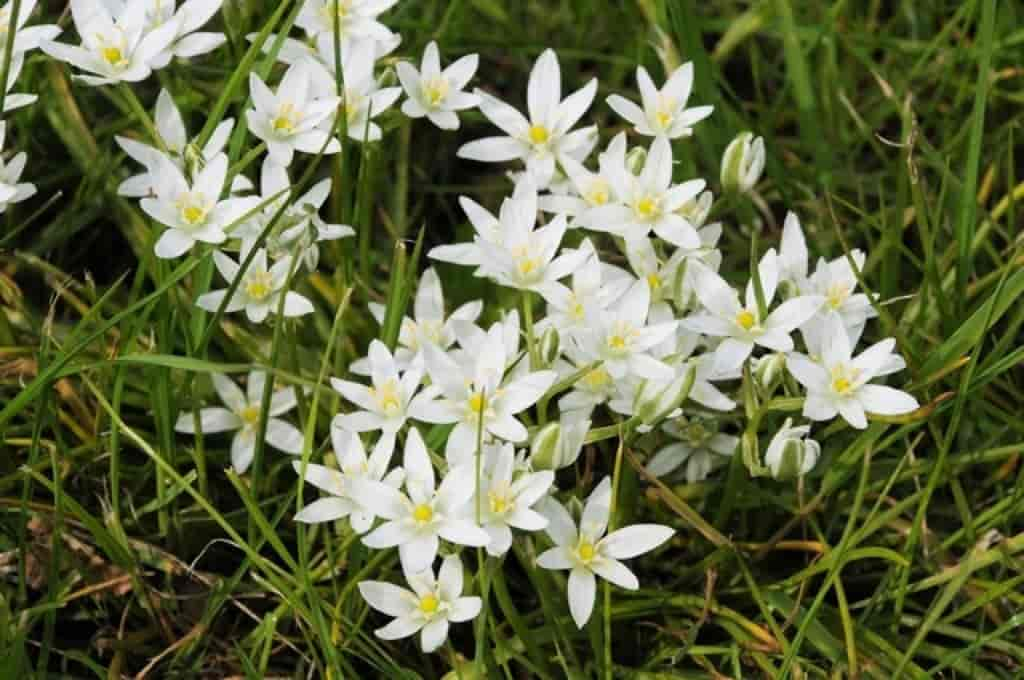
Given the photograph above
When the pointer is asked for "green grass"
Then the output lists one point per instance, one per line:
(890, 126)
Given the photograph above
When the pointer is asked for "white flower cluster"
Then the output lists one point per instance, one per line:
(651, 339)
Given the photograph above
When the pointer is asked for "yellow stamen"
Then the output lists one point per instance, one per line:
(476, 403)
(597, 378)
(499, 503)
(388, 399)
(539, 134)
(259, 286)
(422, 513)
(746, 319)
(654, 281)
(429, 604)
(250, 415)
(435, 90)
(586, 551)
(647, 208)
(664, 118)
(112, 55)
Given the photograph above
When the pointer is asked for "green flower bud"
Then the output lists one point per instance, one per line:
(696, 210)
(791, 454)
(635, 159)
(558, 445)
(549, 347)
(768, 371)
(743, 163)
(655, 400)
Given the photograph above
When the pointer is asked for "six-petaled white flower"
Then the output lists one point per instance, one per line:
(438, 94)
(259, 291)
(664, 111)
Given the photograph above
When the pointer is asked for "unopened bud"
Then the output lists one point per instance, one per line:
(558, 445)
(791, 454)
(768, 371)
(655, 400)
(636, 158)
(696, 210)
(550, 346)
(743, 163)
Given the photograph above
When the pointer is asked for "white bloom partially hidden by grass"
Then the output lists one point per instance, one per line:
(838, 383)
(364, 99)
(588, 553)
(699, 446)
(290, 119)
(189, 41)
(792, 453)
(475, 394)
(355, 19)
(648, 202)
(115, 44)
(664, 111)
(171, 127)
(506, 501)
(259, 290)
(438, 94)
(416, 521)
(741, 326)
(353, 465)
(547, 136)
(427, 607)
(389, 402)
(192, 212)
(243, 414)
(12, 190)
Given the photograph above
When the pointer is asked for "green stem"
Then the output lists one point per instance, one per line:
(531, 339)
(143, 117)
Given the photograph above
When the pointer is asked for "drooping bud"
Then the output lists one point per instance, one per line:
(791, 453)
(558, 445)
(743, 163)
(655, 400)
(635, 159)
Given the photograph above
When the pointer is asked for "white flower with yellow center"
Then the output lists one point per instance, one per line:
(438, 94)
(243, 414)
(699, 445)
(593, 284)
(364, 99)
(621, 336)
(587, 552)
(190, 17)
(427, 607)
(290, 119)
(648, 202)
(742, 326)
(507, 499)
(415, 521)
(587, 189)
(391, 399)
(547, 136)
(355, 19)
(191, 212)
(259, 291)
(475, 393)
(837, 282)
(115, 46)
(353, 465)
(664, 111)
(838, 382)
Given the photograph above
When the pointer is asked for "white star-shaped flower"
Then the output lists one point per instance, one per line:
(664, 111)
(438, 94)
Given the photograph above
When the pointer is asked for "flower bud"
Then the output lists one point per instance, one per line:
(635, 159)
(549, 347)
(742, 163)
(655, 400)
(791, 454)
(558, 445)
(696, 210)
(768, 371)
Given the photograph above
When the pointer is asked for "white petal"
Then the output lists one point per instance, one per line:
(582, 589)
(635, 540)
(387, 598)
(615, 572)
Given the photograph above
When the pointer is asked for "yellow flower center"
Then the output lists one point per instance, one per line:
(664, 118)
(598, 194)
(746, 319)
(250, 415)
(836, 295)
(844, 378)
(435, 90)
(388, 399)
(597, 378)
(647, 208)
(586, 551)
(499, 502)
(193, 214)
(429, 603)
(697, 434)
(654, 281)
(617, 342)
(112, 55)
(287, 119)
(423, 513)
(259, 286)
(538, 134)
(476, 403)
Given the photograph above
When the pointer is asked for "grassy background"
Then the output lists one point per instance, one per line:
(890, 126)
